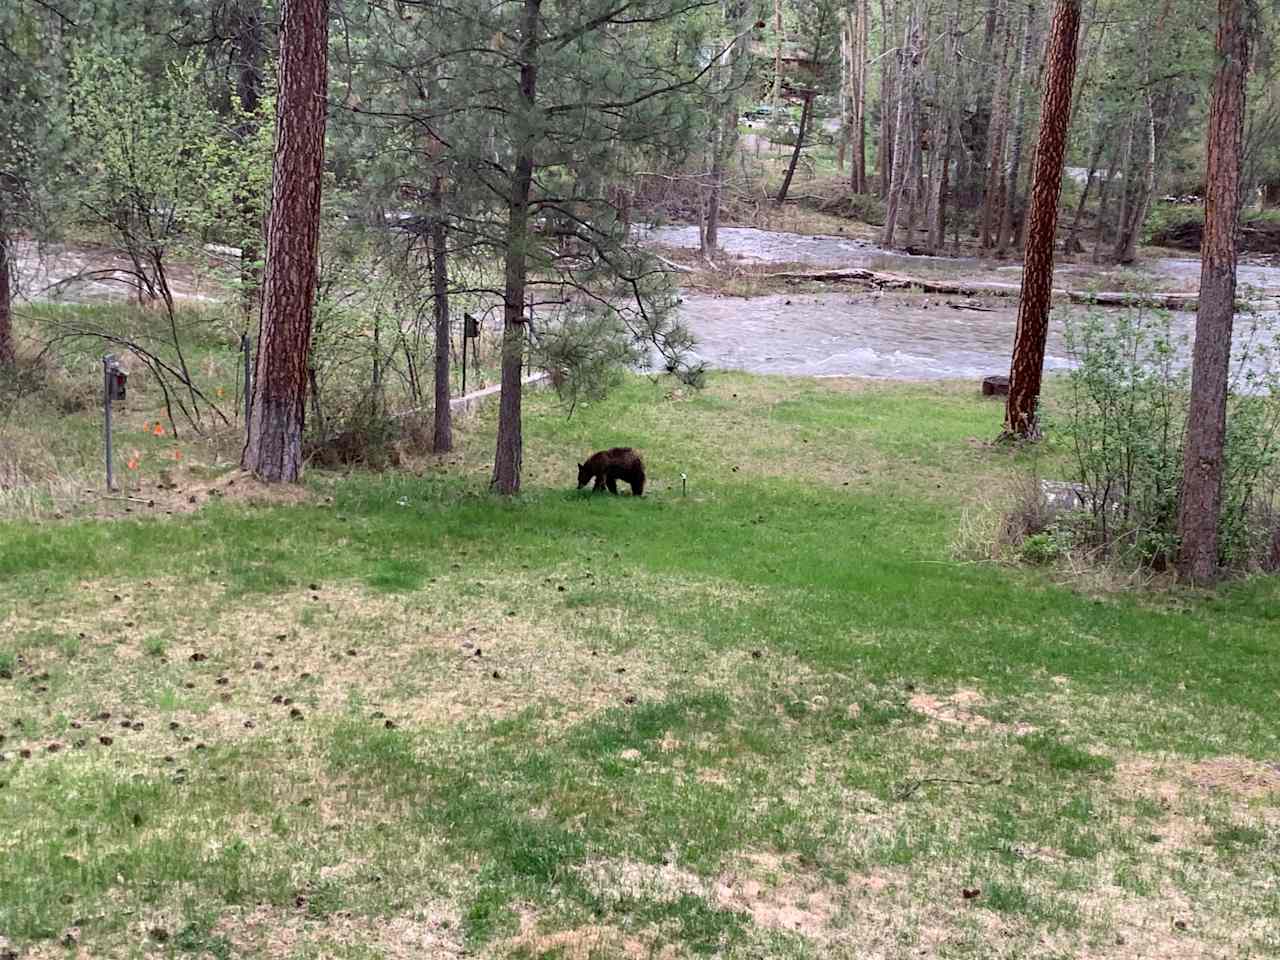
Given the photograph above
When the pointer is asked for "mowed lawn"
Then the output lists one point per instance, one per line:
(766, 715)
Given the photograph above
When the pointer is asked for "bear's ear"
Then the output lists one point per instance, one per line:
(579, 466)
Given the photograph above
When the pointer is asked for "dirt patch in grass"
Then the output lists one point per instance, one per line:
(1166, 924)
(587, 942)
(1236, 779)
(778, 895)
(960, 708)
(272, 932)
(617, 879)
(179, 492)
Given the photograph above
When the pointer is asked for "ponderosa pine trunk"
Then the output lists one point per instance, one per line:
(805, 113)
(509, 455)
(442, 434)
(273, 450)
(1027, 365)
(1200, 508)
(7, 352)
(711, 230)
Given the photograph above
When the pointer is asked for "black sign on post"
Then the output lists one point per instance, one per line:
(470, 331)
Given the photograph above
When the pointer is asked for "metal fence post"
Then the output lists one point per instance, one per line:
(108, 363)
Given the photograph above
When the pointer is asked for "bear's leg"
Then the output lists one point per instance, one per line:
(599, 484)
(613, 484)
(637, 484)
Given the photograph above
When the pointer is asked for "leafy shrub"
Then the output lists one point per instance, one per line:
(1167, 221)
(1041, 548)
(1125, 421)
(866, 207)
(363, 435)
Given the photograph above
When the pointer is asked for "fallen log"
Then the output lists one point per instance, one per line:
(883, 281)
(969, 305)
(1163, 301)
(672, 265)
(895, 281)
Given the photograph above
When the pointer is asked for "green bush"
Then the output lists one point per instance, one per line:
(1165, 218)
(1125, 420)
(1041, 548)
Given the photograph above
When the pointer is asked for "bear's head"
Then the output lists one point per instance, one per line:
(583, 475)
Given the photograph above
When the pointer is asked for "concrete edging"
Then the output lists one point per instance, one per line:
(472, 401)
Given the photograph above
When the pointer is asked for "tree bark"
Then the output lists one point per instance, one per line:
(1027, 364)
(711, 231)
(847, 90)
(915, 177)
(509, 456)
(777, 62)
(725, 136)
(902, 167)
(1073, 234)
(940, 148)
(1013, 176)
(887, 107)
(860, 102)
(938, 224)
(996, 135)
(274, 448)
(1127, 248)
(442, 436)
(249, 33)
(7, 353)
(1104, 194)
(805, 112)
(1200, 508)
(1126, 186)
(948, 127)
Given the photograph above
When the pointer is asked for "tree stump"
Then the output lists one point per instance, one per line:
(995, 386)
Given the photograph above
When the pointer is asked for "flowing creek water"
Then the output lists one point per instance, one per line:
(836, 331)
(845, 331)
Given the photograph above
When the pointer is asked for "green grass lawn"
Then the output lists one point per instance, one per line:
(769, 717)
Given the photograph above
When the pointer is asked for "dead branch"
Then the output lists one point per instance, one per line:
(672, 265)
(908, 787)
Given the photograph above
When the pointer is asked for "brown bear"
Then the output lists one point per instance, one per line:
(609, 466)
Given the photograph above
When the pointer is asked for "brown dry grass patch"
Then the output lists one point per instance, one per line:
(586, 942)
(431, 931)
(960, 709)
(1237, 780)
